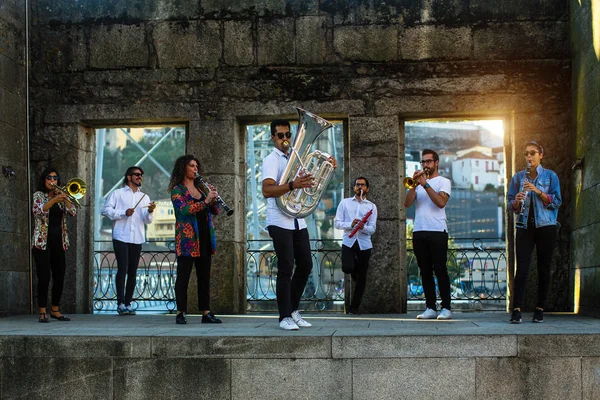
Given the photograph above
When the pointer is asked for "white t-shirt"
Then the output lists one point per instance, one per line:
(273, 167)
(428, 216)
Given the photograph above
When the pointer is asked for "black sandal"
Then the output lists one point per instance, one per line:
(61, 318)
(44, 318)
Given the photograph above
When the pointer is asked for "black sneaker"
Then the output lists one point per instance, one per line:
(538, 315)
(515, 318)
(180, 319)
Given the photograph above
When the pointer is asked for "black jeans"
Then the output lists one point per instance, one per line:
(544, 239)
(291, 245)
(431, 250)
(50, 262)
(184, 270)
(128, 259)
(360, 260)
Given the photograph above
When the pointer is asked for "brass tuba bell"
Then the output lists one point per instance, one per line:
(302, 202)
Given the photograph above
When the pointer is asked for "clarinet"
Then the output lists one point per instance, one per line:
(219, 200)
(521, 222)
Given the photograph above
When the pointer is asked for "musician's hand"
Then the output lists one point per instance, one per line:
(151, 207)
(421, 180)
(333, 162)
(355, 221)
(129, 212)
(530, 187)
(60, 197)
(304, 180)
(211, 196)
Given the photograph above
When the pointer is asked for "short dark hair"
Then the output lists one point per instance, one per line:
(433, 153)
(536, 144)
(42, 181)
(130, 171)
(363, 178)
(279, 122)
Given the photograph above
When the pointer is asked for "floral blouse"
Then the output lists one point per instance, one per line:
(41, 219)
(186, 224)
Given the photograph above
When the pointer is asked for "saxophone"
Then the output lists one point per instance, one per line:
(302, 202)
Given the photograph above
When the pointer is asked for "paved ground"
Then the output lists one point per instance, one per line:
(464, 323)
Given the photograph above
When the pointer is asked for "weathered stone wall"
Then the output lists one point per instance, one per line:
(14, 192)
(217, 65)
(585, 257)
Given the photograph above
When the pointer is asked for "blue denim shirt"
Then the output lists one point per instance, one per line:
(547, 182)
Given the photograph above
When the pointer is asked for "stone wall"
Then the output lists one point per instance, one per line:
(14, 190)
(585, 258)
(218, 65)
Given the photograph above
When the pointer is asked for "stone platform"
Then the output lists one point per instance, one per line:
(474, 356)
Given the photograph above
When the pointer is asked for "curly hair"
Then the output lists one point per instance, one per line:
(179, 170)
(130, 171)
(42, 180)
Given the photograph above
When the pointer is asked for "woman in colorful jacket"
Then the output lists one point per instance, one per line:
(534, 198)
(50, 241)
(195, 240)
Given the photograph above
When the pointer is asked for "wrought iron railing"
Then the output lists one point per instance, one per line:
(476, 273)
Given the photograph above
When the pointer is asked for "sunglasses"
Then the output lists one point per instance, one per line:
(360, 184)
(137, 174)
(52, 177)
(530, 153)
(423, 162)
(281, 134)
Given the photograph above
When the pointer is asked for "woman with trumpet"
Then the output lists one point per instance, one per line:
(50, 241)
(195, 240)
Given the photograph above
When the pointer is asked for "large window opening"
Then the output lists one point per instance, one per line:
(472, 156)
(154, 149)
(326, 283)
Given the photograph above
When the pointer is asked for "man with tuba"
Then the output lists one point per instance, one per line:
(430, 233)
(290, 235)
(130, 209)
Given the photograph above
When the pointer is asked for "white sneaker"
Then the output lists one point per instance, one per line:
(288, 324)
(299, 320)
(428, 314)
(130, 310)
(122, 310)
(445, 314)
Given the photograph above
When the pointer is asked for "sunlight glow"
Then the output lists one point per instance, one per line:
(596, 27)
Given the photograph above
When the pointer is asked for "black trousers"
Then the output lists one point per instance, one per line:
(50, 263)
(184, 270)
(290, 246)
(544, 240)
(431, 250)
(358, 260)
(128, 259)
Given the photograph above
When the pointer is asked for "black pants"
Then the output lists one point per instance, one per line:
(544, 239)
(431, 250)
(128, 259)
(291, 245)
(50, 262)
(184, 270)
(358, 261)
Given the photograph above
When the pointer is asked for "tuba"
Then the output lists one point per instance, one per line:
(299, 203)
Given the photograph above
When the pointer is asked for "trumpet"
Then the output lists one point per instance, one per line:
(219, 200)
(411, 183)
(75, 189)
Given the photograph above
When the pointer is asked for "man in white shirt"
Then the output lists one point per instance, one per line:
(430, 233)
(290, 236)
(356, 250)
(130, 209)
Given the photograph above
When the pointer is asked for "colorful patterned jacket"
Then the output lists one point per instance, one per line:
(186, 223)
(41, 219)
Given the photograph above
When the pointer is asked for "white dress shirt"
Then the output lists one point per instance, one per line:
(347, 211)
(273, 167)
(128, 229)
